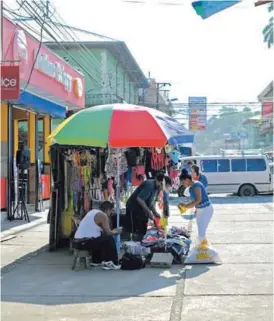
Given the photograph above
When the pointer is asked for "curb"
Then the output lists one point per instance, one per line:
(22, 228)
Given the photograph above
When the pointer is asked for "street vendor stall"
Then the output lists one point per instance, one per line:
(115, 128)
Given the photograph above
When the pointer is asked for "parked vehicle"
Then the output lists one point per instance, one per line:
(243, 175)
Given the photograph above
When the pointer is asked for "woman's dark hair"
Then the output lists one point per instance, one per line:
(168, 180)
(105, 206)
(184, 176)
(196, 169)
(161, 176)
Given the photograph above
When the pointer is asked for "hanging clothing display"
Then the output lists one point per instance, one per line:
(112, 162)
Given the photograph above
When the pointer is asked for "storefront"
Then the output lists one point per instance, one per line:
(49, 87)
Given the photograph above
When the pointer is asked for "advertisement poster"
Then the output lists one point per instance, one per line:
(197, 113)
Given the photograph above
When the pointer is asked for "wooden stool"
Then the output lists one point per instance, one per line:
(78, 255)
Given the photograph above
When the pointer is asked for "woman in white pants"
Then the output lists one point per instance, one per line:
(200, 201)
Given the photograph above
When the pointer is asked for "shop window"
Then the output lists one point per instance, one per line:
(223, 165)
(209, 166)
(56, 122)
(23, 132)
(238, 165)
(256, 165)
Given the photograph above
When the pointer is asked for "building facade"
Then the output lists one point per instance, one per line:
(47, 88)
(154, 97)
(252, 126)
(266, 125)
(111, 73)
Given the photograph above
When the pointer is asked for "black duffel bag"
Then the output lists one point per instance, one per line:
(132, 262)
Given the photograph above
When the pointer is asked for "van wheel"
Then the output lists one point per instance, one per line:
(247, 190)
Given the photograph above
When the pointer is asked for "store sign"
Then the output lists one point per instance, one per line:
(10, 82)
(51, 78)
(20, 49)
(267, 108)
(78, 87)
(53, 69)
(197, 113)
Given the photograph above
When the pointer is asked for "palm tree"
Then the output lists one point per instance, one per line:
(268, 30)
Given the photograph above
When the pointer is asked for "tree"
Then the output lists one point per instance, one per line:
(228, 121)
(268, 30)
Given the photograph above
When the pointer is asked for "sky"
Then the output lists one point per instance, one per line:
(223, 57)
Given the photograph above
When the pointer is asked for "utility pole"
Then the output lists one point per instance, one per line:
(159, 85)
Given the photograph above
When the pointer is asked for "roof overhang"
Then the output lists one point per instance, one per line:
(267, 93)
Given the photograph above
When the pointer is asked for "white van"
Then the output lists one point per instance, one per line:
(243, 175)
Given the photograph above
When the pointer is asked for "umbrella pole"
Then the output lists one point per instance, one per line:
(118, 199)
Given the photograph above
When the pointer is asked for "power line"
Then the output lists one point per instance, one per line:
(37, 53)
(39, 22)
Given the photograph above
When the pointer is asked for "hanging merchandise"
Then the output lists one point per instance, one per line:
(157, 158)
(112, 161)
(66, 218)
(202, 253)
(138, 173)
(132, 156)
(110, 189)
(175, 156)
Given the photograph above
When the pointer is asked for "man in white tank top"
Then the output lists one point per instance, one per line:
(94, 234)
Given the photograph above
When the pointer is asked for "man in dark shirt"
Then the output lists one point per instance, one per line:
(140, 206)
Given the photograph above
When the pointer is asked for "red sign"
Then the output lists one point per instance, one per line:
(42, 72)
(267, 108)
(10, 82)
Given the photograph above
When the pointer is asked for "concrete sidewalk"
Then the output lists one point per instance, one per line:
(11, 228)
(42, 286)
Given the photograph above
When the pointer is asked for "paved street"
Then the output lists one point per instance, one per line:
(42, 286)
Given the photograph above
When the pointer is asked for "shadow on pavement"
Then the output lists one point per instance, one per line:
(48, 279)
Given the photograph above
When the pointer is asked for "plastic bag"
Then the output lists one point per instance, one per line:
(202, 253)
(135, 248)
(163, 222)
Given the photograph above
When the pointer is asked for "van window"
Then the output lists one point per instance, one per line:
(256, 165)
(223, 165)
(238, 165)
(209, 165)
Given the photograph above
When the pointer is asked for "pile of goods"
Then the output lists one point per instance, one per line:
(175, 242)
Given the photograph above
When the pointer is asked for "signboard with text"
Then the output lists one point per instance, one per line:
(10, 82)
(42, 72)
(197, 113)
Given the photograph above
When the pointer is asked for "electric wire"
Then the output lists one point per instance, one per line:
(32, 12)
(62, 46)
(37, 53)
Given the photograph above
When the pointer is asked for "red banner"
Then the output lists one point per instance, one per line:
(267, 108)
(10, 82)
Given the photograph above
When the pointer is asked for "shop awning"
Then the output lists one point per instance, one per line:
(41, 105)
(206, 9)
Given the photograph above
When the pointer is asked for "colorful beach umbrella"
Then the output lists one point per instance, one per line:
(206, 9)
(120, 126)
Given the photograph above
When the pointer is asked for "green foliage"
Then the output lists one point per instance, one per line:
(268, 30)
(228, 120)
